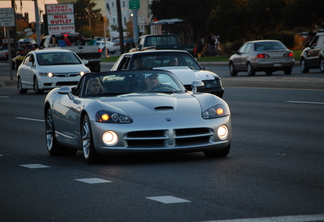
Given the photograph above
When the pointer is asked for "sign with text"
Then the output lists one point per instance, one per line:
(134, 4)
(60, 18)
(7, 17)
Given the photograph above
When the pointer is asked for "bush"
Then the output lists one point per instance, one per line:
(228, 48)
(287, 38)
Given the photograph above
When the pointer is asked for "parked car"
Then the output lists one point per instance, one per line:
(112, 48)
(187, 69)
(312, 56)
(262, 55)
(3, 52)
(110, 112)
(46, 69)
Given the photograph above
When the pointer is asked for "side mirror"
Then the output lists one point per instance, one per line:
(29, 64)
(85, 62)
(196, 84)
(64, 90)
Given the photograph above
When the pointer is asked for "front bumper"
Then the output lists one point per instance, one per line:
(159, 134)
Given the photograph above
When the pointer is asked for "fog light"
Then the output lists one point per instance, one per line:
(110, 138)
(222, 132)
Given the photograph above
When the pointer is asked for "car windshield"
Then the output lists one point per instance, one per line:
(260, 46)
(166, 59)
(125, 82)
(57, 58)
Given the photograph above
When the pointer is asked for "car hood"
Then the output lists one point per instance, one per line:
(187, 75)
(153, 104)
(63, 68)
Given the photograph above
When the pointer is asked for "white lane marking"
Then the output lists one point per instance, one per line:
(168, 199)
(4, 97)
(34, 166)
(306, 102)
(93, 180)
(298, 218)
(30, 119)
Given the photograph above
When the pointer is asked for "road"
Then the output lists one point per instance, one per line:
(274, 169)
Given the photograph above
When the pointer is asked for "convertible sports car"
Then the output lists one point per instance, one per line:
(135, 111)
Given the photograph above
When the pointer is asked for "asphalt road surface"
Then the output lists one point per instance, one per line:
(274, 171)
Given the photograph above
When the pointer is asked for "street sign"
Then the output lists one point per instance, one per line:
(134, 4)
(7, 17)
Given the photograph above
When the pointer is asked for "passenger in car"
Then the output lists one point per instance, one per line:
(137, 64)
(94, 87)
(151, 81)
(173, 61)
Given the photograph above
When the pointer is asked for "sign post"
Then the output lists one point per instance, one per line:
(7, 19)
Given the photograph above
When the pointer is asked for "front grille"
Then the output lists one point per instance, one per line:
(67, 74)
(71, 83)
(169, 138)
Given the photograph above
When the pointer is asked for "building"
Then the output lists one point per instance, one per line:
(144, 15)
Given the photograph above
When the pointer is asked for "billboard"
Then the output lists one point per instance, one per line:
(60, 18)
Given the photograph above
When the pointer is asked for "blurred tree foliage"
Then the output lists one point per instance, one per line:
(241, 20)
(83, 10)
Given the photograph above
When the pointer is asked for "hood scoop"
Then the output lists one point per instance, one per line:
(163, 108)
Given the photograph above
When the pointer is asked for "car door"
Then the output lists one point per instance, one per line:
(314, 50)
(27, 71)
(237, 59)
(246, 54)
(66, 111)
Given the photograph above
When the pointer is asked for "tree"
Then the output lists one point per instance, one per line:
(304, 15)
(87, 19)
(194, 11)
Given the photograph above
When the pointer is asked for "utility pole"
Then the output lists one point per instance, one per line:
(120, 27)
(37, 23)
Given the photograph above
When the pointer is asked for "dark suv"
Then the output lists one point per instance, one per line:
(312, 56)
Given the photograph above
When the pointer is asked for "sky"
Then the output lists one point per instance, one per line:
(27, 6)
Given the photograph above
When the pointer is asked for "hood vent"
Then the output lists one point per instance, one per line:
(164, 108)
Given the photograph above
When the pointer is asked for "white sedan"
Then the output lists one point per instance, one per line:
(46, 69)
(112, 47)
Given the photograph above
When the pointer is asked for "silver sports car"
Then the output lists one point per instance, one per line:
(135, 111)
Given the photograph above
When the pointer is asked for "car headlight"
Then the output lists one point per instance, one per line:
(49, 74)
(110, 138)
(222, 132)
(212, 83)
(112, 117)
(215, 112)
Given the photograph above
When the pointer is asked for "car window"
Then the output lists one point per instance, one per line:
(248, 48)
(116, 83)
(314, 41)
(57, 58)
(321, 40)
(149, 61)
(124, 65)
(241, 50)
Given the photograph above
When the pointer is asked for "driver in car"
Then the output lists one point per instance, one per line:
(151, 81)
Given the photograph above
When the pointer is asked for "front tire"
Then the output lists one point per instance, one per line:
(303, 66)
(89, 152)
(233, 71)
(51, 143)
(250, 70)
(321, 65)
(288, 71)
(218, 153)
(20, 88)
(36, 87)
(268, 73)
